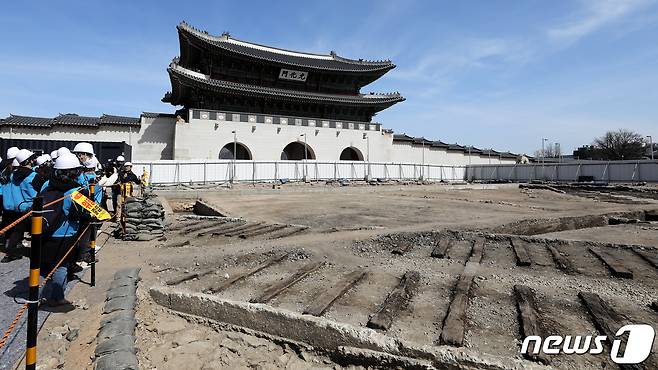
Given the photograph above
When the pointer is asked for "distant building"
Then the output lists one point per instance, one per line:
(237, 99)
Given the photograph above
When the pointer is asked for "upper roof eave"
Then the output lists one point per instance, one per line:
(177, 72)
(330, 62)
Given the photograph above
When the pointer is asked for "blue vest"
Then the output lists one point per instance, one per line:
(17, 195)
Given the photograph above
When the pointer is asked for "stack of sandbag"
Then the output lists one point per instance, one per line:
(143, 218)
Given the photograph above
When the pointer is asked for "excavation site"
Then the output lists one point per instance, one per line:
(414, 275)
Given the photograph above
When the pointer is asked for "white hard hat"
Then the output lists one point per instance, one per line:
(120, 158)
(127, 164)
(48, 157)
(53, 154)
(23, 155)
(83, 148)
(42, 159)
(92, 163)
(11, 152)
(66, 162)
(63, 150)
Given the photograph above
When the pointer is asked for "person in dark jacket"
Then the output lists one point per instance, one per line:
(17, 196)
(61, 226)
(116, 188)
(127, 176)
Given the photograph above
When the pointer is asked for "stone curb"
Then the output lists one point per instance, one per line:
(115, 349)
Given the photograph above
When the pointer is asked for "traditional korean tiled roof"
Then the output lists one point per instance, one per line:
(187, 77)
(157, 115)
(404, 138)
(330, 61)
(29, 121)
(68, 119)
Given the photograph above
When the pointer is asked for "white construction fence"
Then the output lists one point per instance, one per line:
(613, 171)
(167, 172)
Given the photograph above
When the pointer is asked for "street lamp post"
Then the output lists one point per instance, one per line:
(422, 165)
(305, 158)
(650, 145)
(235, 154)
(367, 139)
(543, 157)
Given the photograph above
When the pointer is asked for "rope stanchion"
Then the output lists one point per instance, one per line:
(21, 311)
(92, 244)
(33, 305)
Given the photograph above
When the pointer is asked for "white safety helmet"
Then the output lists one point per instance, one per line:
(23, 155)
(121, 159)
(53, 154)
(42, 159)
(63, 150)
(48, 157)
(66, 162)
(127, 164)
(83, 148)
(91, 164)
(11, 152)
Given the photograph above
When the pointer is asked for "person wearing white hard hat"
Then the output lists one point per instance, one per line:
(84, 151)
(44, 166)
(116, 188)
(62, 226)
(6, 165)
(127, 176)
(17, 196)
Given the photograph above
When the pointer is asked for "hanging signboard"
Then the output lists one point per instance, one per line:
(289, 74)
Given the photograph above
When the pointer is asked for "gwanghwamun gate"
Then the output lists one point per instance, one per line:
(255, 112)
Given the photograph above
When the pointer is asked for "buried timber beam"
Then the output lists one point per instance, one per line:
(269, 229)
(238, 229)
(189, 276)
(323, 302)
(616, 267)
(652, 259)
(441, 250)
(477, 251)
(402, 248)
(275, 289)
(197, 227)
(397, 301)
(521, 251)
(530, 322)
(221, 232)
(217, 229)
(561, 261)
(285, 234)
(607, 321)
(255, 227)
(245, 274)
(454, 324)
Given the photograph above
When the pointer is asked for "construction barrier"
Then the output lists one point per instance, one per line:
(604, 171)
(166, 172)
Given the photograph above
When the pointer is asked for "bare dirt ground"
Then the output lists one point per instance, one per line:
(350, 230)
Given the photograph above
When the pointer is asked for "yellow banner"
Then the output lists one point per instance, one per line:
(90, 206)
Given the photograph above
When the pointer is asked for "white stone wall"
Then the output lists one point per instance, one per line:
(201, 139)
(153, 140)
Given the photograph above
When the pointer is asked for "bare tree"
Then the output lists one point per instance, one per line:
(620, 144)
(550, 151)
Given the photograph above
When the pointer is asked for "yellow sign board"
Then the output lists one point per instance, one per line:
(88, 204)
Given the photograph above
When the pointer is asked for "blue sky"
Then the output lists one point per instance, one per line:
(494, 73)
